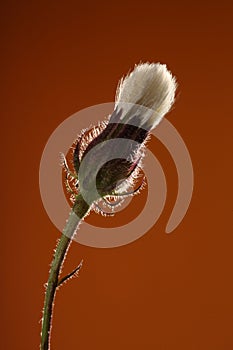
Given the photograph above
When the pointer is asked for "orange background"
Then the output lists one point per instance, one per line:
(161, 292)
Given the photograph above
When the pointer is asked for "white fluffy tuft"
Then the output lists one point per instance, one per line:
(150, 85)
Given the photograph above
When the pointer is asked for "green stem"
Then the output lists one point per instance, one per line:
(80, 209)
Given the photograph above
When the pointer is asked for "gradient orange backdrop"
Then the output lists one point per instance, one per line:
(162, 292)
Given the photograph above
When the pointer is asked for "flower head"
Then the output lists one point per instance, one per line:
(109, 155)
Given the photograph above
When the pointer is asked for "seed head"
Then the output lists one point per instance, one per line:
(142, 99)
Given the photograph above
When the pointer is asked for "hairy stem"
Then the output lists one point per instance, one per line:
(79, 210)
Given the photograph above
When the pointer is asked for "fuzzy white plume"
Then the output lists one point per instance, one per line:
(150, 85)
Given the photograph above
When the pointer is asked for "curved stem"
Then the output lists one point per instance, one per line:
(79, 210)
